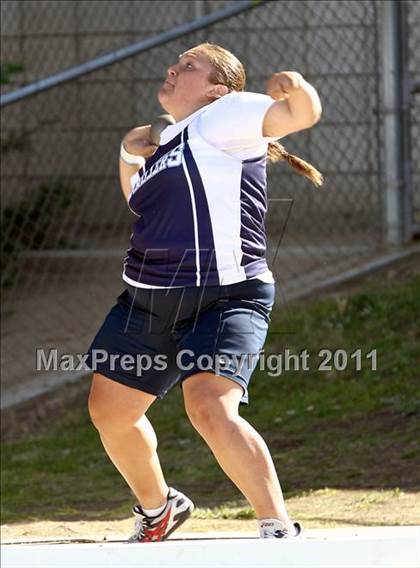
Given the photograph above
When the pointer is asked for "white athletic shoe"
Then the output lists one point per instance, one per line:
(152, 529)
(272, 528)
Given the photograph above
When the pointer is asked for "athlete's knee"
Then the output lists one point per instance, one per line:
(208, 416)
(198, 413)
(107, 413)
(211, 406)
(105, 417)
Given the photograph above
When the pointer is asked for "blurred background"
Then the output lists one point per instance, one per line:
(65, 225)
(75, 76)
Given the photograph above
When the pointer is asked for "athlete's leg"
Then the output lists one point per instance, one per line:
(212, 405)
(118, 413)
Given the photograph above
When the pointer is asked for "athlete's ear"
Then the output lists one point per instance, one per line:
(217, 91)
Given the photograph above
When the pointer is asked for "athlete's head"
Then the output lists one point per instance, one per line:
(202, 75)
(227, 70)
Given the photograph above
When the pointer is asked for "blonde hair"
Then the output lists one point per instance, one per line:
(229, 71)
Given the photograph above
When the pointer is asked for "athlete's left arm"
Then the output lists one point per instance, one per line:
(297, 104)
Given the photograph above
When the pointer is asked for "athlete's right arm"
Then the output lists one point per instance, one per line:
(137, 142)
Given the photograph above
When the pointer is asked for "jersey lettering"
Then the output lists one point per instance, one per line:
(172, 159)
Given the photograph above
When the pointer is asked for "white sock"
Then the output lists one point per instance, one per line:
(269, 526)
(154, 512)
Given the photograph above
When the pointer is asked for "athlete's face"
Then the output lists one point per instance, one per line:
(187, 86)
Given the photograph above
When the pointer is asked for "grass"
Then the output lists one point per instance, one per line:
(328, 431)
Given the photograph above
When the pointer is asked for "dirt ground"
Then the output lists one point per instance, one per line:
(326, 508)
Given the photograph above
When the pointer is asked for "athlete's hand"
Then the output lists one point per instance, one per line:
(137, 142)
(281, 85)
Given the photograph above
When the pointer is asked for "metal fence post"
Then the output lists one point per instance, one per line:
(391, 42)
(406, 120)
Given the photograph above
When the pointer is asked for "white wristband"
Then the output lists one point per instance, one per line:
(131, 159)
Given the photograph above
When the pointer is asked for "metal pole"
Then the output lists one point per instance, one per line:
(200, 12)
(228, 11)
(393, 174)
(406, 119)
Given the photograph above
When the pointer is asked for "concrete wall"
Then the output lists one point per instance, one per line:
(73, 131)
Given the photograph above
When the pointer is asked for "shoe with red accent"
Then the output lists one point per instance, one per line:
(152, 529)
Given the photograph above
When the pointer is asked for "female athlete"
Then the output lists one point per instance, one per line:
(198, 292)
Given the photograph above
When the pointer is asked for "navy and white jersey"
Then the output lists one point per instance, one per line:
(201, 199)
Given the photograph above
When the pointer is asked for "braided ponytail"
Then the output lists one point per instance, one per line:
(229, 71)
(278, 152)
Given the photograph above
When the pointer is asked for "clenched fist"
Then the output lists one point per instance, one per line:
(137, 141)
(281, 85)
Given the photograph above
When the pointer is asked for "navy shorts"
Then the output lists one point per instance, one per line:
(153, 339)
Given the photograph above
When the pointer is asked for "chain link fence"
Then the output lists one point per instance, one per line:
(413, 17)
(65, 224)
